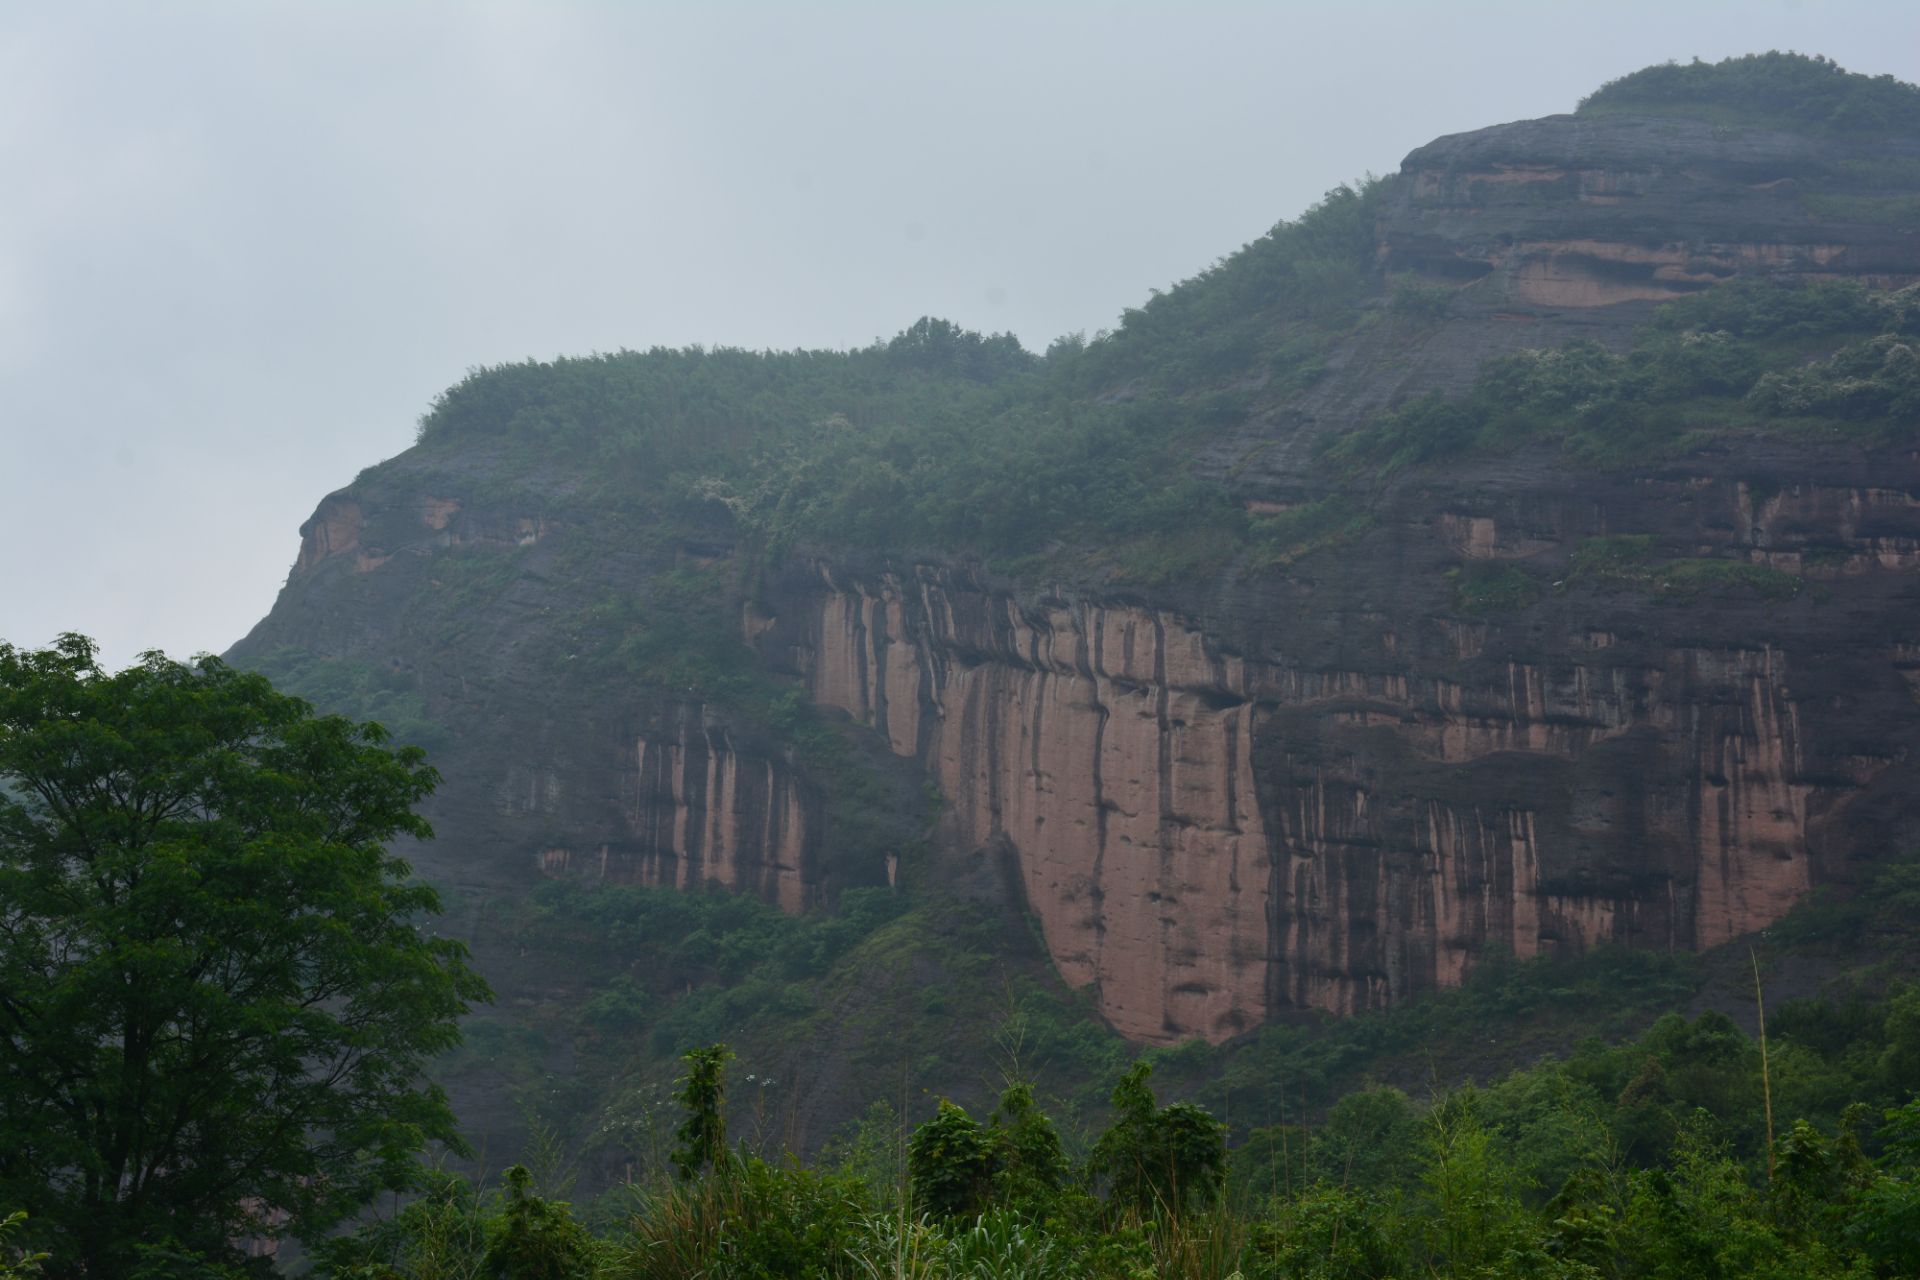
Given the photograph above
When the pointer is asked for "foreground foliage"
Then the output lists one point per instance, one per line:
(215, 995)
(1466, 1197)
(1646, 1156)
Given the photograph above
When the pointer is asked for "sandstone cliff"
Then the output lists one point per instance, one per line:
(1347, 796)
(1320, 788)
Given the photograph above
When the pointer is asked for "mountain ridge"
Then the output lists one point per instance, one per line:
(1114, 640)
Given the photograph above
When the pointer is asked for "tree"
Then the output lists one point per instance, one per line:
(960, 1168)
(1158, 1159)
(1032, 1166)
(536, 1238)
(216, 991)
(950, 1164)
(700, 1140)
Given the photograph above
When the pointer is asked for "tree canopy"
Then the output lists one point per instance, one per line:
(216, 991)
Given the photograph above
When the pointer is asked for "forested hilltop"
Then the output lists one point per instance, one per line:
(1408, 685)
(942, 437)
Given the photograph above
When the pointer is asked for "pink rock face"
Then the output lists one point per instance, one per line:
(1584, 273)
(1200, 864)
(332, 530)
(339, 526)
(706, 816)
(436, 513)
(1090, 738)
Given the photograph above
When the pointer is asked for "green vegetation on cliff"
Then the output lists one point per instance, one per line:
(1833, 357)
(1784, 90)
(1626, 559)
(945, 438)
(941, 437)
(358, 691)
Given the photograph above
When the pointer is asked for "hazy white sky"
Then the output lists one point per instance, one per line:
(242, 245)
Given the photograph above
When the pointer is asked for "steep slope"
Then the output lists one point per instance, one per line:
(1259, 698)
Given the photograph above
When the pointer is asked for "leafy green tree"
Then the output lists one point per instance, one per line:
(1325, 1233)
(1368, 1139)
(216, 991)
(1158, 1159)
(535, 1238)
(960, 1168)
(872, 1151)
(1900, 1061)
(1888, 1224)
(1032, 1167)
(1699, 1218)
(438, 1235)
(1478, 1219)
(700, 1141)
(951, 1160)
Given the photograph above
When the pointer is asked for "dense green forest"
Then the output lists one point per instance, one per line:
(944, 437)
(1687, 1149)
(1683, 1154)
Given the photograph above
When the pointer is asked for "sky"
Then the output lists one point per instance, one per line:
(243, 245)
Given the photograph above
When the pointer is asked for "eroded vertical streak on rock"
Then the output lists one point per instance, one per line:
(1206, 839)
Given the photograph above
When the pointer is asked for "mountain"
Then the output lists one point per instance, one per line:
(1515, 556)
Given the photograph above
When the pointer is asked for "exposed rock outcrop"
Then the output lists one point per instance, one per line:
(1211, 832)
(1581, 211)
(1111, 745)
(697, 812)
(1535, 233)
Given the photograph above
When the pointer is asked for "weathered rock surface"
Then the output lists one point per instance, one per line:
(1542, 231)
(695, 811)
(1347, 791)
(1326, 789)
(1578, 211)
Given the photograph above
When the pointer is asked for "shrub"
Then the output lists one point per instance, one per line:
(1483, 588)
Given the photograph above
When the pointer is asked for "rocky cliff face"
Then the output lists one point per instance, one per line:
(1539, 232)
(1578, 211)
(1110, 746)
(1347, 793)
(695, 811)
(1328, 788)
